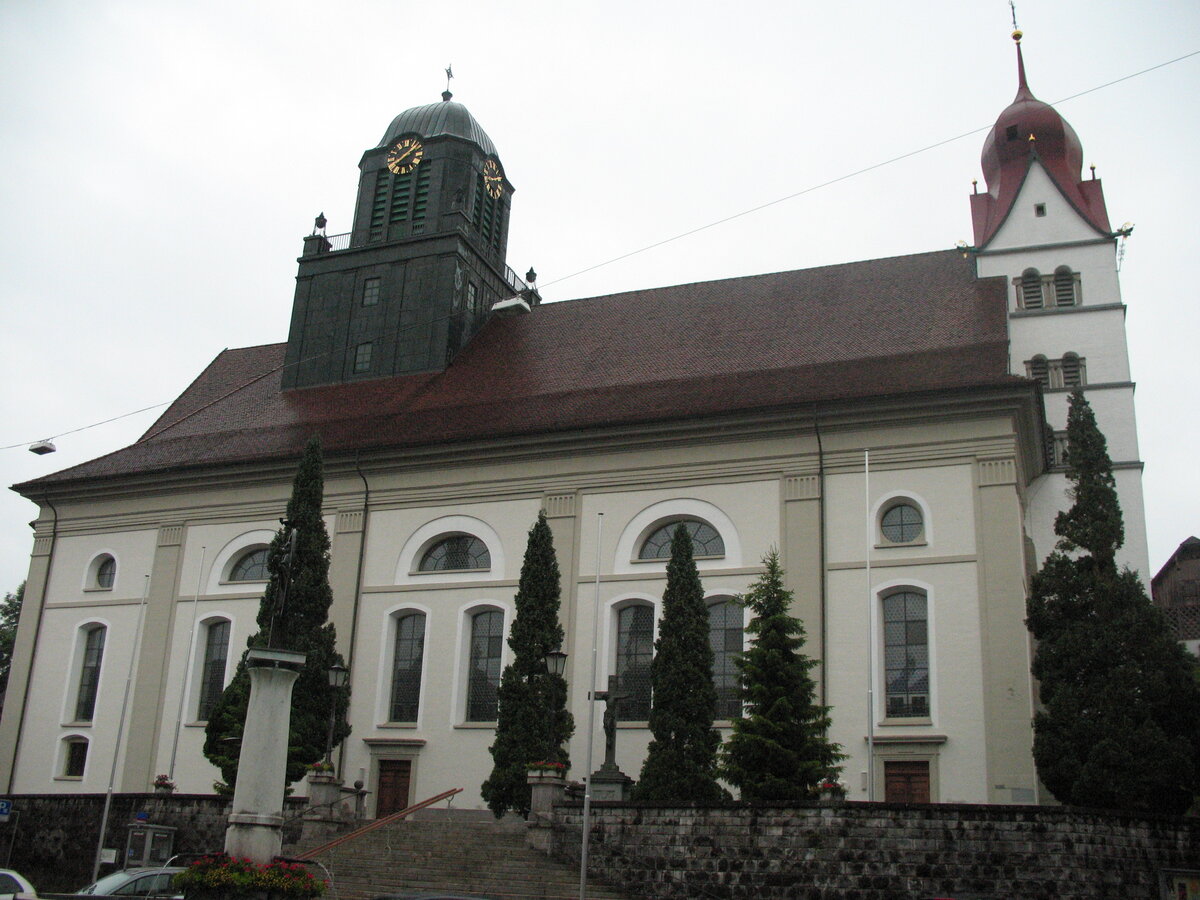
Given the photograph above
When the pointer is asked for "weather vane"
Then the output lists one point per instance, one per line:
(1013, 7)
(450, 74)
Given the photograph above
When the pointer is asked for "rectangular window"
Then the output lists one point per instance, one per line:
(370, 294)
(89, 675)
(725, 633)
(406, 668)
(362, 357)
(635, 650)
(483, 676)
(212, 673)
(76, 759)
(906, 654)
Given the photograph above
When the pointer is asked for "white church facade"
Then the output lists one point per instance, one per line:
(888, 425)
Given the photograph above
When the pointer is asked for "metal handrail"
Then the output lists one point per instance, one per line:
(379, 823)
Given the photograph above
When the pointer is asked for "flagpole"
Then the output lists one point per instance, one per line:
(870, 631)
(591, 729)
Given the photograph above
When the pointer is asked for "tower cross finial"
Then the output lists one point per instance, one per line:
(1013, 7)
(449, 75)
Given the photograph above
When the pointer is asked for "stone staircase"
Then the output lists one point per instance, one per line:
(457, 852)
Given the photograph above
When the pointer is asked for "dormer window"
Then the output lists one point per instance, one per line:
(1039, 210)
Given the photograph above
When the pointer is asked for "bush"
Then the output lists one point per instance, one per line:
(227, 875)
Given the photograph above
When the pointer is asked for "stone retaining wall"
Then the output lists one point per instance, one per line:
(878, 851)
(54, 836)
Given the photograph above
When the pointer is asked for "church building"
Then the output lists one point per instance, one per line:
(894, 427)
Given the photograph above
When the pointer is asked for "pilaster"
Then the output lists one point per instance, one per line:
(148, 697)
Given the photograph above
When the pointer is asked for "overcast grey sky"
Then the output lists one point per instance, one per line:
(162, 161)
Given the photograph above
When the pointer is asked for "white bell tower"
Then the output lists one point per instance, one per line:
(1045, 229)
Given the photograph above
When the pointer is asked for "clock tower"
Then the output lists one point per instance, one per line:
(424, 263)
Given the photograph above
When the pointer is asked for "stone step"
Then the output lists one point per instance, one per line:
(471, 856)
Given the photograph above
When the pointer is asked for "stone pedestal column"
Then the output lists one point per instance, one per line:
(256, 824)
(547, 789)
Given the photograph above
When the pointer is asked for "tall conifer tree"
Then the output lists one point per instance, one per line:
(532, 722)
(1120, 723)
(681, 762)
(778, 752)
(295, 619)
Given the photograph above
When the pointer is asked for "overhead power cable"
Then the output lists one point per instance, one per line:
(663, 242)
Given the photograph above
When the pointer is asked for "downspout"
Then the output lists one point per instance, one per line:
(37, 634)
(358, 577)
(821, 545)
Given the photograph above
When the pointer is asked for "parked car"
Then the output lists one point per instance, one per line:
(16, 884)
(154, 881)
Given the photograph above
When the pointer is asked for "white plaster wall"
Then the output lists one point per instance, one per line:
(943, 492)
(1096, 336)
(133, 551)
(1023, 227)
(1048, 495)
(53, 691)
(395, 536)
(192, 772)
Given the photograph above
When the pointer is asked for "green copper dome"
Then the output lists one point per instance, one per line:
(438, 119)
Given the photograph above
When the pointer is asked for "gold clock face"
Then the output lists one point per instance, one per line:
(493, 178)
(405, 155)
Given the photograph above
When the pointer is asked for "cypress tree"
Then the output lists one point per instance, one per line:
(1120, 720)
(681, 761)
(10, 615)
(295, 619)
(532, 721)
(778, 751)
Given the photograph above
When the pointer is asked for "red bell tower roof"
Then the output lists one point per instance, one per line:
(1026, 131)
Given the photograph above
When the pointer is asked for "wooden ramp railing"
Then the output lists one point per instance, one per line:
(379, 823)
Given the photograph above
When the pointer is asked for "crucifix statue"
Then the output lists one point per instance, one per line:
(612, 700)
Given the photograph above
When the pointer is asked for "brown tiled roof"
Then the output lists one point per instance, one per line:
(880, 327)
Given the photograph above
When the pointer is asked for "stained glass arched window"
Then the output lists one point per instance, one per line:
(706, 541)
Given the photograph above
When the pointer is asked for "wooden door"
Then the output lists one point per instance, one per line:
(906, 782)
(394, 778)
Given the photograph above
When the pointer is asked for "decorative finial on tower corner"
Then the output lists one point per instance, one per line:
(446, 95)
(1093, 168)
(974, 185)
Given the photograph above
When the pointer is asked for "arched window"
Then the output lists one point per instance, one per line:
(1064, 286)
(635, 650)
(1039, 371)
(212, 669)
(458, 552)
(89, 673)
(250, 566)
(902, 523)
(725, 636)
(906, 654)
(1072, 370)
(705, 540)
(406, 667)
(1031, 289)
(74, 756)
(106, 572)
(483, 674)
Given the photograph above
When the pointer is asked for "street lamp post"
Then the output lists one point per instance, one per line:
(338, 676)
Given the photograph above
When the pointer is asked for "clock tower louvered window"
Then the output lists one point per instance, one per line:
(400, 204)
(486, 216)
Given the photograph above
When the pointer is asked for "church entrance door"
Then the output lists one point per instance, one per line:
(906, 782)
(394, 778)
